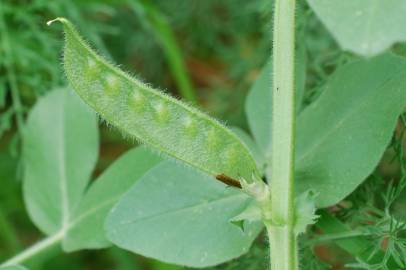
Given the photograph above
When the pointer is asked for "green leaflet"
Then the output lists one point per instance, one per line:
(366, 27)
(259, 110)
(86, 226)
(152, 117)
(341, 137)
(343, 134)
(195, 229)
(60, 150)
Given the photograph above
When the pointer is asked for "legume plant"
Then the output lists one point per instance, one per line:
(206, 191)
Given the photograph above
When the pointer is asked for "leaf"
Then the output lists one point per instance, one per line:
(86, 227)
(366, 27)
(252, 146)
(342, 135)
(258, 110)
(192, 230)
(13, 267)
(258, 105)
(152, 117)
(60, 149)
(66, 151)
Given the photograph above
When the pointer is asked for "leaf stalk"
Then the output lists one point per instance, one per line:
(35, 249)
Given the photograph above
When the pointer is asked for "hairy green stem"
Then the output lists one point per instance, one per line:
(35, 249)
(283, 242)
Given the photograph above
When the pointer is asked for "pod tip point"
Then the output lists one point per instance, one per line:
(59, 19)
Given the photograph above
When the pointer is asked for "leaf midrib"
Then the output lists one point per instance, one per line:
(90, 211)
(182, 209)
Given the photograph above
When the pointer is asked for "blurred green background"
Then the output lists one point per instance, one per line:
(208, 52)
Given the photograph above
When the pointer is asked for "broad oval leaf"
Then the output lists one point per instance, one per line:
(152, 117)
(343, 134)
(86, 230)
(366, 27)
(178, 215)
(60, 149)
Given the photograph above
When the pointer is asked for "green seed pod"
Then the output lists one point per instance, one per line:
(152, 117)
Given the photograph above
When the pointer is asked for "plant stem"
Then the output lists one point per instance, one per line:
(283, 242)
(35, 249)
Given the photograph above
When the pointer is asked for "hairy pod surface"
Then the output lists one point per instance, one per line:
(153, 117)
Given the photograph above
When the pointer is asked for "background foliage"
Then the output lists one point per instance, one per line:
(224, 45)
